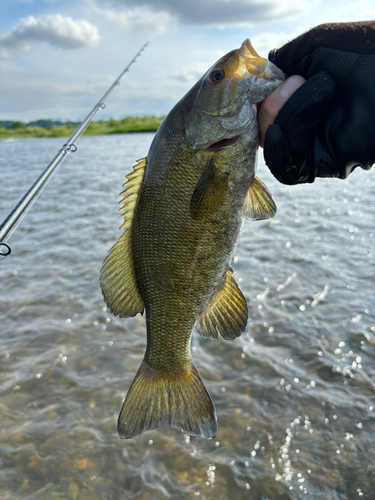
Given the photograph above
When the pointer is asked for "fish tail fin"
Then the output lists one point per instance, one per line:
(177, 399)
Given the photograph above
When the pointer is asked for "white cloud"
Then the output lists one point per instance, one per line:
(140, 19)
(267, 41)
(360, 11)
(57, 30)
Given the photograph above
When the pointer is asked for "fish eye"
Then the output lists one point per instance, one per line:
(216, 75)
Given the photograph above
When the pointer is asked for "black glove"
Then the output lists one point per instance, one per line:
(327, 127)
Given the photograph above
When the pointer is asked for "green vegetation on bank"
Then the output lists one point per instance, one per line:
(126, 125)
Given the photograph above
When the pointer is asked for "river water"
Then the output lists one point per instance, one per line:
(294, 395)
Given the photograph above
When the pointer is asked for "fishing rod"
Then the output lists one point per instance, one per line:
(10, 224)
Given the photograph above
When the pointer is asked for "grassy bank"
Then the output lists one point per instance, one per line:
(126, 125)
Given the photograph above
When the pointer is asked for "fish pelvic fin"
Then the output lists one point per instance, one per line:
(175, 399)
(117, 276)
(258, 204)
(226, 313)
(209, 192)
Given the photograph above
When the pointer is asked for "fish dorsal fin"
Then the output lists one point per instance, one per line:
(209, 192)
(117, 277)
(258, 202)
(226, 313)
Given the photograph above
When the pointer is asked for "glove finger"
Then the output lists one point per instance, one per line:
(301, 113)
(277, 154)
(289, 142)
(278, 158)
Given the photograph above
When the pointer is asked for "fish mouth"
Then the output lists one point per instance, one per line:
(223, 143)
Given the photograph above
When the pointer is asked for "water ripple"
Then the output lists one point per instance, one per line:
(294, 394)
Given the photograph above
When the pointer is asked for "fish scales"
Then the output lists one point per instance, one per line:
(179, 239)
(184, 271)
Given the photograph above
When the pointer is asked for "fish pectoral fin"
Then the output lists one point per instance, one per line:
(209, 192)
(226, 313)
(117, 277)
(258, 204)
(167, 399)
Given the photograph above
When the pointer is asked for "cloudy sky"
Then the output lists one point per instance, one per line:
(57, 57)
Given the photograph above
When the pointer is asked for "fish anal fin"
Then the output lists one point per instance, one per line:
(167, 400)
(258, 203)
(117, 276)
(209, 191)
(226, 313)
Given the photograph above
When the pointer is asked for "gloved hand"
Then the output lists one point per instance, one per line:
(327, 127)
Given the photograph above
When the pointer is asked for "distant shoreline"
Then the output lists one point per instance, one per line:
(129, 124)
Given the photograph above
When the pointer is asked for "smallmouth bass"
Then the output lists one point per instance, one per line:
(183, 209)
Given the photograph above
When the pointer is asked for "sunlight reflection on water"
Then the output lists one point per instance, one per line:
(294, 394)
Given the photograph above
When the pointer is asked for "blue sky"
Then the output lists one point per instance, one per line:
(57, 57)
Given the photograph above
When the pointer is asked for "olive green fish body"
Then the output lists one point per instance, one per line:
(184, 206)
(176, 272)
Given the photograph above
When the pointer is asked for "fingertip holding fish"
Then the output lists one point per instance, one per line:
(290, 85)
(270, 107)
